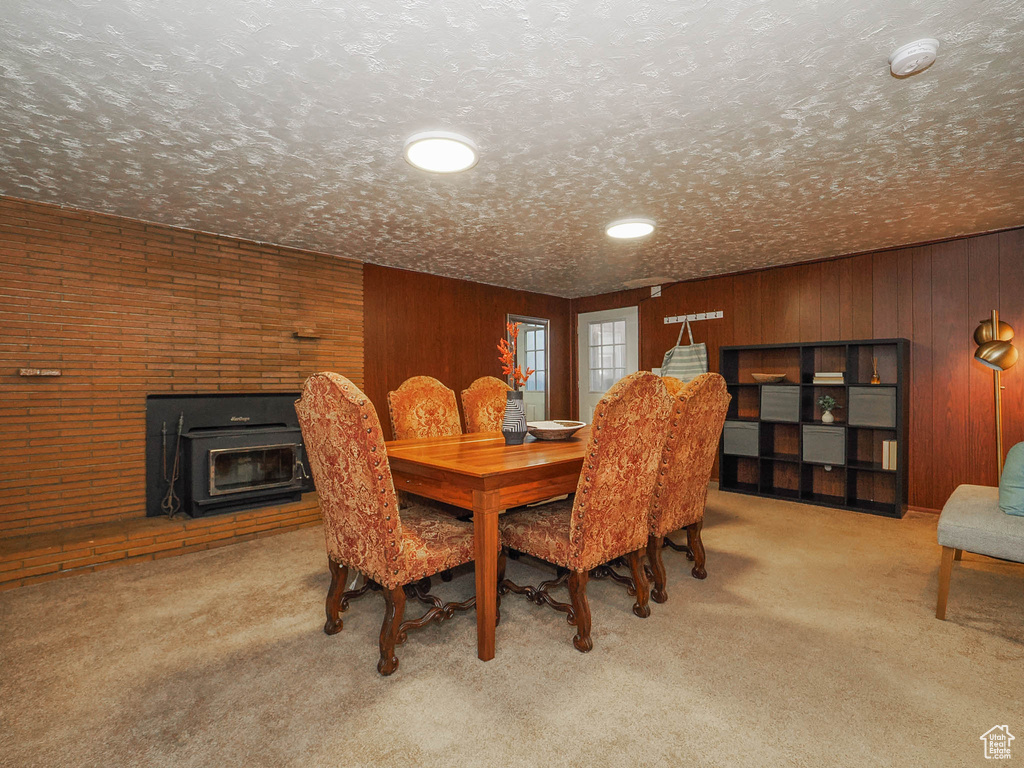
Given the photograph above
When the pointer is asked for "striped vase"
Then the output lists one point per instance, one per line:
(513, 426)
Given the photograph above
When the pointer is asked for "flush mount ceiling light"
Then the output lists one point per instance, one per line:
(626, 229)
(914, 57)
(441, 152)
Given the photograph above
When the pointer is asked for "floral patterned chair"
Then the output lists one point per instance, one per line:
(609, 516)
(483, 403)
(695, 426)
(364, 530)
(423, 407)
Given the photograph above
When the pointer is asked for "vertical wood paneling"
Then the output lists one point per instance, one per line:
(921, 432)
(884, 305)
(808, 280)
(831, 303)
(780, 306)
(747, 323)
(424, 325)
(861, 286)
(887, 294)
(983, 297)
(952, 348)
(1011, 309)
(905, 294)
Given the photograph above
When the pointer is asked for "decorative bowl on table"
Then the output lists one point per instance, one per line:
(554, 430)
(768, 378)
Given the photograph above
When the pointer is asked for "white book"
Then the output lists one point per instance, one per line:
(885, 454)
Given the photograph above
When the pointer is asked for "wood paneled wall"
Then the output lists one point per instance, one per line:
(418, 324)
(126, 309)
(934, 295)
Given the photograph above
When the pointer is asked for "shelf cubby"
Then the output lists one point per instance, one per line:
(740, 473)
(790, 455)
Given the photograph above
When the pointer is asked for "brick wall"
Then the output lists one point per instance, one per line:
(127, 309)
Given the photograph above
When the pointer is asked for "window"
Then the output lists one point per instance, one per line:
(534, 346)
(607, 354)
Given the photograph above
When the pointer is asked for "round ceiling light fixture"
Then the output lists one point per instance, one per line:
(914, 57)
(441, 152)
(627, 229)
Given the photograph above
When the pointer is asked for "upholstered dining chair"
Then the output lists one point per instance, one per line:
(423, 407)
(608, 517)
(483, 403)
(691, 442)
(398, 552)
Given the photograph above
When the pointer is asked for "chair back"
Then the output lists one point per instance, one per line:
(613, 497)
(691, 442)
(483, 403)
(346, 453)
(423, 407)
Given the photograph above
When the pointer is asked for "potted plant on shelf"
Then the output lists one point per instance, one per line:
(827, 403)
(513, 426)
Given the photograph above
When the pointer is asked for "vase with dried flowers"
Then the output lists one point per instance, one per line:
(513, 426)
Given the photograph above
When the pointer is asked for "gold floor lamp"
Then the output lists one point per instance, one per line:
(995, 350)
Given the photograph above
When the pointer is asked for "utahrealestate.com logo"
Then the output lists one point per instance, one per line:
(997, 742)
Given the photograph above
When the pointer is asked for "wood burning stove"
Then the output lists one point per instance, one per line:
(220, 453)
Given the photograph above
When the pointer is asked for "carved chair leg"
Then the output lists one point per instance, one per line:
(641, 607)
(684, 548)
(697, 547)
(394, 609)
(502, 562)
(945, 570)
(581, 610)
(339, 575)
(657, 568)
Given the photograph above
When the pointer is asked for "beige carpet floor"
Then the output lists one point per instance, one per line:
(813, 642)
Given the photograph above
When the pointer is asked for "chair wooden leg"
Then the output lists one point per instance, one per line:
(654, 547)
(945, 570)
(339, 575)
(641, 607)
(502, 562)
(697, 547)
(958, 554)
(581, 610)
(394, 609)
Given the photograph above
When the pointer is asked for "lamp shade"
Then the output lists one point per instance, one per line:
(984, 333)
(998, 355)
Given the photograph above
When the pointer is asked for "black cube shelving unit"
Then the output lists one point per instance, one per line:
(768, 450)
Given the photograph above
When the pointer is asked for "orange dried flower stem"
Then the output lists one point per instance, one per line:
(507, 357)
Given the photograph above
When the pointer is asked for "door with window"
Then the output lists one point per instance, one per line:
(609, 348)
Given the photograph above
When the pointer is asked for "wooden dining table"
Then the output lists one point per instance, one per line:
(479, 472)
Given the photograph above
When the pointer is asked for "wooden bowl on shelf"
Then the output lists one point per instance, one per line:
(768, 378)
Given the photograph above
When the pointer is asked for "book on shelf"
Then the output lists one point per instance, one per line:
(828, 377)
(889, 454)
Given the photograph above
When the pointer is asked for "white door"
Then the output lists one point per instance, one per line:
(609, 348)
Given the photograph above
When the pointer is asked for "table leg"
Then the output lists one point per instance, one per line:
(485, 539)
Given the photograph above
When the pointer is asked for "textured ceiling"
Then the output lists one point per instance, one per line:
(754, 133)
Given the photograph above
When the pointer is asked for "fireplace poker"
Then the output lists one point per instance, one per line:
(171, 503)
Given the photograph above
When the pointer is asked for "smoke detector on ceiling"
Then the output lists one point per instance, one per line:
(914, 57)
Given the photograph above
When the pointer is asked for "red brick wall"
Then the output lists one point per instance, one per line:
(127, 309)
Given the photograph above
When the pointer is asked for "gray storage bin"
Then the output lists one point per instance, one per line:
(740, 438)
(780, 403)
(872, 407)
(824, 445)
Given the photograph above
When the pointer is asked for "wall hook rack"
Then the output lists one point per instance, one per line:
(717, 315)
